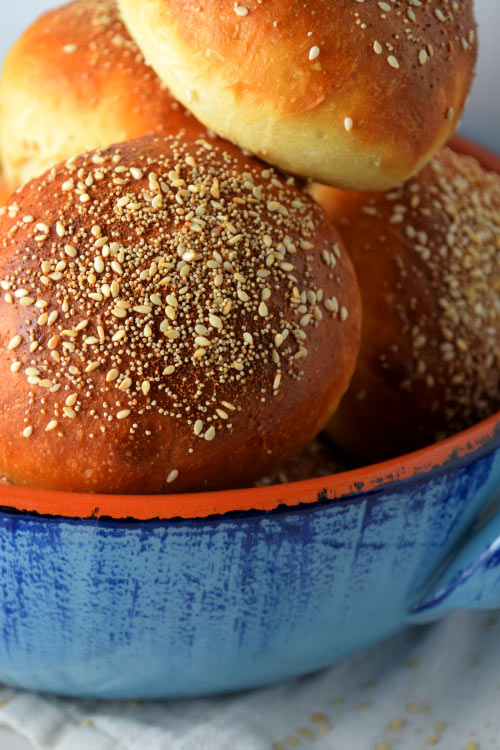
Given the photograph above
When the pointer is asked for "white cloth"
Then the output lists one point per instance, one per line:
(433, 685)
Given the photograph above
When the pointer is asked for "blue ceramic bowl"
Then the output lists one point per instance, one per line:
(149, 597)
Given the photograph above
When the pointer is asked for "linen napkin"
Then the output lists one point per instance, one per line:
(436, 685)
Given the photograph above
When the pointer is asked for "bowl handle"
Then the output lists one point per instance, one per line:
(470, 580)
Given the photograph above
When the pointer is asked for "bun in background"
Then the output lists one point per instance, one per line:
(354, 94)
(427, 257)
(75, 80)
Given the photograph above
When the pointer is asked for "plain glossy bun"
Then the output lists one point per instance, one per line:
(427, 256)
(75, 80)
(176, 316)
(356, 94)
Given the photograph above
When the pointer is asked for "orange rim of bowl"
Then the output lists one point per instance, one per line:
(447, 454)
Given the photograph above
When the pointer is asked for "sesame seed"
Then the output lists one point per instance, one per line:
(348, 123)
(210, 433)
(54, 342)
(14, 342)
(215, 321)
(172, 476)
(423, 56)
(393, 61)
(201, 341)
(314, 52)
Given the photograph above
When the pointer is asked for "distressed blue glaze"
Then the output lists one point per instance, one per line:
(188, 607)
(471, 579)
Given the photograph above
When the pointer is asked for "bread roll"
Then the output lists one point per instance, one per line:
(5, 190)
(356, 94)
(427, 256)
(75, 80)
(176, 316)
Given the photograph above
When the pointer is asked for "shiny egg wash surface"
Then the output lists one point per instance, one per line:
(163, 288)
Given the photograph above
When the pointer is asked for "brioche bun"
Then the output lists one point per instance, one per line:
(427, 256)
(176, 316)
(5, 190)
(354, 94)
(75, 80)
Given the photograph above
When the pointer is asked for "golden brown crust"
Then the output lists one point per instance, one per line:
(189, 315)
(358, 94)
(5, 190)
(428, 263)
(76, 80)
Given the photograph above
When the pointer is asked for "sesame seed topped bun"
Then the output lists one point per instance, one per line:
(427, 256)
(75, 80)
(175, 316)
(355, 93)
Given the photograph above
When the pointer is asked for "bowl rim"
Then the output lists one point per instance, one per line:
(446, 455)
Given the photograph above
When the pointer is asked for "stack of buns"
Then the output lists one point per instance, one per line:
(178, 313)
